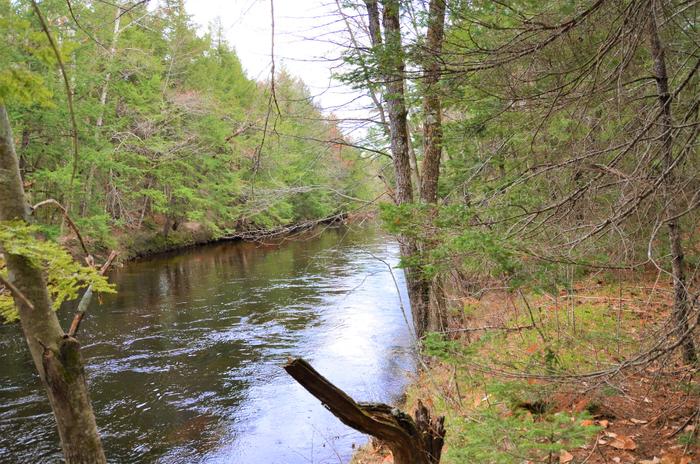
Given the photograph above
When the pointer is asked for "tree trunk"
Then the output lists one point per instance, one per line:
(681, 302)
(432, 108)
(392, 70)
(110, 59)
(395, 100)
(56, 355)
(411, 441)
(432, 143)
(373, 94)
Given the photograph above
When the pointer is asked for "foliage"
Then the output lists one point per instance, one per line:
(172, 133)
(512, 420)
(495, 436)
(65, 277)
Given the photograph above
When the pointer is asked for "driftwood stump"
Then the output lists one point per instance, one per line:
(411, 441)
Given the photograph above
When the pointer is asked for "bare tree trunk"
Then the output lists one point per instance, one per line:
(681, 302)
(432, 108)
(110, 58)
(56, 355)
(411, 441)
(432, 142)
(418, 287)
(394, 94)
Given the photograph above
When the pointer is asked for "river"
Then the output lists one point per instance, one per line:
(184, 363)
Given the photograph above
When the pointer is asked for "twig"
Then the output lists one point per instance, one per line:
(685, 424)
(87, 297)
(17, 293)
(532, 317)
(72, 225)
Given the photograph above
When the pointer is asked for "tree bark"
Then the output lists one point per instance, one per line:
(681, 302)
(395, 99)
(55, 355)
(391, 57)
(432, 143)
(411, 441)
(432, 108)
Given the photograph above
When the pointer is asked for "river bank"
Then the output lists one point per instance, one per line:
(536, 379)
(151, 240)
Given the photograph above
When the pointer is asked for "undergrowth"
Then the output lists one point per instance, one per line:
(503, 419)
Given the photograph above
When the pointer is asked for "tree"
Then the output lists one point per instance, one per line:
(681, 300)
(56, 355)
(432, 107)
(389, 56)
(550, 158)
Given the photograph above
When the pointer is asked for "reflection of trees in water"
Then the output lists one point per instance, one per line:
(201, 433)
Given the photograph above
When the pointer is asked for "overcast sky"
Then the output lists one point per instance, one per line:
(304, 30)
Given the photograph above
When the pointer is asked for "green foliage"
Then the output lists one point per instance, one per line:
(65, 276)
(436, 344)
(689, 438)
(454, 242)
(497, 435)
(179, 135)
(19, 80)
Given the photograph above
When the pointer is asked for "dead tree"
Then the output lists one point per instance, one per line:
(411, 441)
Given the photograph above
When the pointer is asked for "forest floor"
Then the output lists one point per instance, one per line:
(501, 376)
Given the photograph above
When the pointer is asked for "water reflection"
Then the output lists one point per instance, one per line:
(184, 362)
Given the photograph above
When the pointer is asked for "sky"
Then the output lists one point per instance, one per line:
(304, 34)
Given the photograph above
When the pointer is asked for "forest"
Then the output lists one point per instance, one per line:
(533, 163)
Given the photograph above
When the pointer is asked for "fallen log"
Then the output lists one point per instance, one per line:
(411, 441)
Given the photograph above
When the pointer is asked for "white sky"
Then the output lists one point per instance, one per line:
(304, 31)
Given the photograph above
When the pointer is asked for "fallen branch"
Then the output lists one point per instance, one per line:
(489, 327)
(411, 441)
(262, 234)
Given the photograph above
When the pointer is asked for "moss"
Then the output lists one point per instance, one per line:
(69, 356)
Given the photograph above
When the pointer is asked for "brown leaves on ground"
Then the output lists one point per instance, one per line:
(642, 422)
(622, 442)
(565, 456)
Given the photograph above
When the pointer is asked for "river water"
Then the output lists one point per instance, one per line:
(184, 363)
